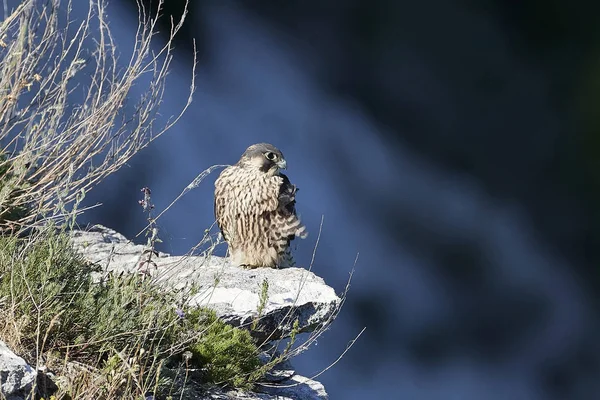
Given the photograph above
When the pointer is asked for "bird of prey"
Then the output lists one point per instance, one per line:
(255, 208)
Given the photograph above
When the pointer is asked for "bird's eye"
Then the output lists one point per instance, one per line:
(270, 156)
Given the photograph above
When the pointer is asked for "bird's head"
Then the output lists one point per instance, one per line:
(264, 157)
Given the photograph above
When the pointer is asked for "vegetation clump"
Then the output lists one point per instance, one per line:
(228, 354)
(12, 210)
(57, 306)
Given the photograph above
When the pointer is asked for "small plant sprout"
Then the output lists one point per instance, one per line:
(262, 302)
(151, 234)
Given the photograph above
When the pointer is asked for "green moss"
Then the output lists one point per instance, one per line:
(227, 354)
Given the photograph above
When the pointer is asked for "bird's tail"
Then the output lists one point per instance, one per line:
(295, 227)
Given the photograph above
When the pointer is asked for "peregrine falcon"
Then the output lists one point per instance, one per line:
(255, 208)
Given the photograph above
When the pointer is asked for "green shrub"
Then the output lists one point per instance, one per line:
(48, 286)
(11, 186)
(227, 354)
(121, 324)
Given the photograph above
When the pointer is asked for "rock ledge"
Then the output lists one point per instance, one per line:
(234, 294)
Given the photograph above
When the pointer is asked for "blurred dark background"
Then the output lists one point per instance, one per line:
(453, 144)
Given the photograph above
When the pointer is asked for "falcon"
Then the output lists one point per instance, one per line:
(255, 208)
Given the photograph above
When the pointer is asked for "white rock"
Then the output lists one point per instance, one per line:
(16, 376)
(298, 388)
(233, 292)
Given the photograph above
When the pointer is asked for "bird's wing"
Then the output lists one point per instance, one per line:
(286, 221)
(287, 197)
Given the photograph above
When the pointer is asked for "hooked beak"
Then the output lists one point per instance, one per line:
(282, 164)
